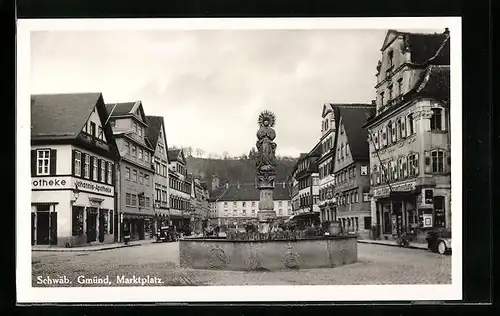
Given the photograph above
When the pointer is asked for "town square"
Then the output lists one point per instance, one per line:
(241, 157)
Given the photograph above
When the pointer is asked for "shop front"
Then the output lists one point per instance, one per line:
(70, 212)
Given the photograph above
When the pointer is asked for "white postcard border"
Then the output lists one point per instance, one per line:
(28, 294)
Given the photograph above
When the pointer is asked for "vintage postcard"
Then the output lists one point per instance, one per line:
(218, 160)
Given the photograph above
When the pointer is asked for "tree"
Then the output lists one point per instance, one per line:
(199, 152)
(188, 151)
(243, 157)
(225, 155)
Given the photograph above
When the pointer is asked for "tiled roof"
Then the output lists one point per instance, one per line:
(155, 124)
(123, 108)
(435, 82)
(173, 154)
(249, 192)
(61, 116)
(353, 118)
(424, 46)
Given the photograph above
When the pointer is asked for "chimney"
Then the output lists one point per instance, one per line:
(373, 102)
(215, 182)
(446, 31)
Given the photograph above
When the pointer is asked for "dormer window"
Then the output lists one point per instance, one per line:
(92, 129)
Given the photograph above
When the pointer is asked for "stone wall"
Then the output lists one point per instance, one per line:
(226, 254)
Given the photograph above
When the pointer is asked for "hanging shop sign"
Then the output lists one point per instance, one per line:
(384, 191)
(69, 183)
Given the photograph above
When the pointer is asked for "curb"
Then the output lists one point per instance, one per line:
(82, 250)
(391, 245)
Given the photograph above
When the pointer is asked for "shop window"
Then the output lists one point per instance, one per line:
(77, 221)
(436, 119)
(439, 212)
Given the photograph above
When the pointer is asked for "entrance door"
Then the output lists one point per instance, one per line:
(115, 226)
(53, 228)
(42, 228)
(33, 227)
(91, 225)
(102, 221)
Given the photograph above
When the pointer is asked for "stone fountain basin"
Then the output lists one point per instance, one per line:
(268, 255)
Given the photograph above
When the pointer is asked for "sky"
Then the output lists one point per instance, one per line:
(211, 85)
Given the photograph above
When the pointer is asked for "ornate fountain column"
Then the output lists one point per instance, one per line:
(266, 169)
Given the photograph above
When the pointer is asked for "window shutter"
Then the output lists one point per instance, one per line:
(92, 168)
(427, 162)
(53, 162)
(73, 162)
(33, 163)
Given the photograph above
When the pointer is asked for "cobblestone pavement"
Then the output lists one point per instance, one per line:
(376, 265)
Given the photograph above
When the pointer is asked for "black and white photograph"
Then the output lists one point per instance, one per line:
(236, 159)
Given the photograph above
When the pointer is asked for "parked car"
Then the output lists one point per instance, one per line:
(166, 233)
(439, 241)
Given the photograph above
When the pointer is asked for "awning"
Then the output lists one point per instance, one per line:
(306, 215)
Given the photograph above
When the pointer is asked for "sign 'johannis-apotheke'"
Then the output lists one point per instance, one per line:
(58, 183)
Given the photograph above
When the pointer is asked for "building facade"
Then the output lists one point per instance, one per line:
(158, 140)
(135, 174)
(73, 154)
(410, 135)
(305, 188)
(180, 189)
(351, 179)
(199, 204)
(238, 204)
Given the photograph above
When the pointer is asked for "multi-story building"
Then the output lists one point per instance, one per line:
(237, 204)
(410, 139)
(73, 154)
(158, 140)
(350, 184)
(199, 204)
(305, 188)
(135, 174)
(180, 189)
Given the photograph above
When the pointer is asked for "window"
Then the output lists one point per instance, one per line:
(390, 58)
(128, 199)
(342, 150)
(43, 162)
(347, 149)
(280, 203)
(253, 212)
(134, 126)
(103, 171)
(78, 163)
(413, 164)
(366, 197)
(127, 173)
(381, 98)
(146, 156)
(393, 132)
(437, 161)
(110, 173)
(141, 153)
(234, 204)
(127, 147)
(146, 179)
(436, 119)
(356, 197)
(139, 129)
(100, 133)
(141, 200)
(225, 204)
(95, 165)
(86, 170)
(394, 170)
(253, 203)
(390, 92)
(404, 162)
(77, 221)
(400, 168)
(141, 178)
(157, 167)
(165, 170)
(400, 86)
(364, 170)
(235, 213)
(148, 202)
(280, 212)
(411, 124)
(342, 129)
(92, 129)
(160, 149)
(134, 151)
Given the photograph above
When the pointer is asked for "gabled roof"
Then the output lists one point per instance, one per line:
(176, 155)
(327, 108)
(249, 192)
(126, 109)
(353, 119)
(155, 126)
(62, 116)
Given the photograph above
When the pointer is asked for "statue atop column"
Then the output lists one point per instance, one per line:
(266, 168)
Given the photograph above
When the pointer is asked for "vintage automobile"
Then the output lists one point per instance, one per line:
(439, 241)
(166, 233)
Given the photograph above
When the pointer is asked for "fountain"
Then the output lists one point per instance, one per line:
(267, 249)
